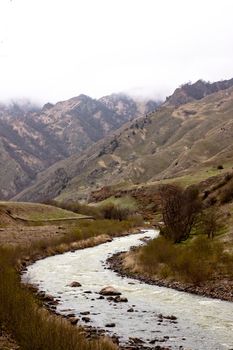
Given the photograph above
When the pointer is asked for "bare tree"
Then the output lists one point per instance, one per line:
(211, 222)
(179, 209)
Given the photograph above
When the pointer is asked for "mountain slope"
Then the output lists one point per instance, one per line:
(173, 141)
(33, 139)
(191, 92)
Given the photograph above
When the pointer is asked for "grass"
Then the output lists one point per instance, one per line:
(32, 326)
(121, 208)
(195, 261)
(37, 212)
(108, 227)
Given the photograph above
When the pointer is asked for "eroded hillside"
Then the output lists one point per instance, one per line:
(173, 141)
(32, 139)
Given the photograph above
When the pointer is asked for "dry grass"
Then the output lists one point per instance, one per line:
(198, 261)
(36, 211)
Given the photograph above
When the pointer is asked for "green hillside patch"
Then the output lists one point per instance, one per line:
(37, 212)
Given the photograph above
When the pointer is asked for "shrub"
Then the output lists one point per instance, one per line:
(180, 208)
(226, 194)
(210, 222)
(220, 167)
(115, 212)
(194, 262)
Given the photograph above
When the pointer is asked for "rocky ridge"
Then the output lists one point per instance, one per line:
(33, 138)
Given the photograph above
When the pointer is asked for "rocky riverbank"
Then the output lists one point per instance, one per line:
(219, 288)
(92, 333)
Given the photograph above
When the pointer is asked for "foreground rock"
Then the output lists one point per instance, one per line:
(109, 291)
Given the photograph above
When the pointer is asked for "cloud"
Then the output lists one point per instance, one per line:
(52, 50)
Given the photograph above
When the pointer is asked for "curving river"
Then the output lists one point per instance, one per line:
(201, 323)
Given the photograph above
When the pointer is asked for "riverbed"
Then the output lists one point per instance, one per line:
(157, 316)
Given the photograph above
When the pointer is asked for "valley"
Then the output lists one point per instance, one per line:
(104, 169)
(169, 143)
(116, 175)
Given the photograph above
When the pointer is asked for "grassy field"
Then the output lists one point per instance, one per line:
(195, 177)
(36, 211)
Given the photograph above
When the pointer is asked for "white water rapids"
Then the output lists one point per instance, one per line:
(202, 323)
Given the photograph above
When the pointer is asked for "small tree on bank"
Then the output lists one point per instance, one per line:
(180, 208)
(210, 222)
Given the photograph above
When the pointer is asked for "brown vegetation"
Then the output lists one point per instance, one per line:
(196, 262)
(110, 211)
(179, 210)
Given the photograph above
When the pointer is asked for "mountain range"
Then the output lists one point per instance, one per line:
(192, 130)
(32, 138)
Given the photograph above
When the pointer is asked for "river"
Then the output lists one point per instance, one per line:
(202, 323)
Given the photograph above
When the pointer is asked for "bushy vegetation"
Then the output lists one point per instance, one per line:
(180, 208)
(112, 228)
(210, 222)
(220, 167)
(115, 212)
(110, 209)
(195, 262)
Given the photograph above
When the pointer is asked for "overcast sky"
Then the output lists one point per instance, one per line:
(52, 50)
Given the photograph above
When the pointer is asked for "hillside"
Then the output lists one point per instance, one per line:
(171, 142)
(32, 139)
(191, 92)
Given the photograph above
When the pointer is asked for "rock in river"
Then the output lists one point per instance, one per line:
(75, 284)
(109, 291)
(110, 325)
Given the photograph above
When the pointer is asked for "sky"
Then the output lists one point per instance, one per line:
(52, 50)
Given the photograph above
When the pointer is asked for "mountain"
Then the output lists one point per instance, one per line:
(191, 92)
(128, 107)
(32, 138)
(170, 142)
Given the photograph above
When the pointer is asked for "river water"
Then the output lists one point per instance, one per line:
(202, 323)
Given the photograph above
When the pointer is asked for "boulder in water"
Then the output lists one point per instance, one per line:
(109, 290)
(75, 284)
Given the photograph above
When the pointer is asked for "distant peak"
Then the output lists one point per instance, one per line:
(47, 106)
(195, 91)
(83, 96)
